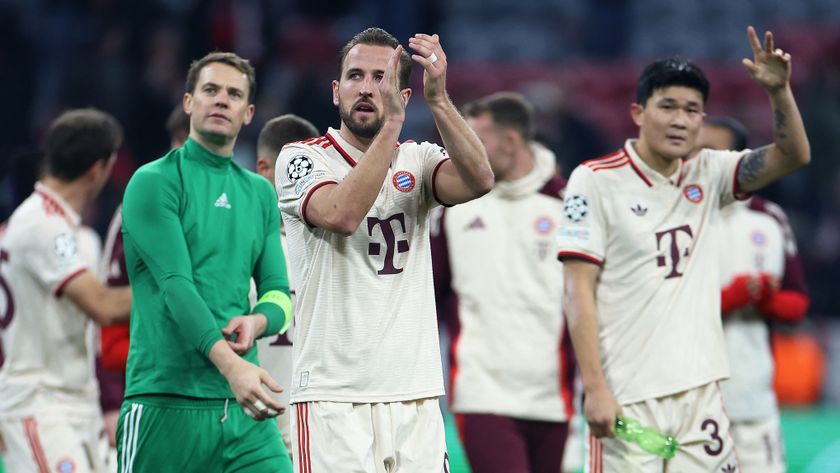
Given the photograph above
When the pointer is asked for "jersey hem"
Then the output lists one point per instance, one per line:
(372, 399)
(511, 414)
(670, 391)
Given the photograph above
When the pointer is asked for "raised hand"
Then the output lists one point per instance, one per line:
(430, 55)
(389, 88)
(770, 67)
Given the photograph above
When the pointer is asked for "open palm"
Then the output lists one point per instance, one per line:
(770, 67)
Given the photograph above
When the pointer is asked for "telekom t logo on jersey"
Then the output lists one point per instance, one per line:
(676, 250)
(391, 242)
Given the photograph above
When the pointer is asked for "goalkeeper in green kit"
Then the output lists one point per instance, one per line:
(196, 229)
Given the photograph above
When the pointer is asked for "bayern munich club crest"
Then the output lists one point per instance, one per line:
(694, 193)
(404, 181)
(544, 225)
(66, 465)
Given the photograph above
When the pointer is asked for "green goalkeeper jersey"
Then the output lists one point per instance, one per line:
(196, 229)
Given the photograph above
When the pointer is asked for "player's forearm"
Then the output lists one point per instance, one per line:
(582, 316)
(788, 130)
(583, 328)
(104, 305)
(117, 304)
(350, 201)
(223, 358)
(463, 146)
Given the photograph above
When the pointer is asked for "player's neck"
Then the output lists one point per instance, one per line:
(659, 163)
(76, 193)
(523, 163)
(216, 144)
(361, 144)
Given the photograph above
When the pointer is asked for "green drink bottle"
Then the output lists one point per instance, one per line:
(648, 439)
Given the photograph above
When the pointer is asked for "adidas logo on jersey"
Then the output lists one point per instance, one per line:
(475, 224)
(639, 210)
(222, 201)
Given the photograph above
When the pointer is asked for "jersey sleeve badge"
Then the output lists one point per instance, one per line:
(576, 208)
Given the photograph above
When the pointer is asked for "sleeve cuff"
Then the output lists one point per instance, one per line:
(59, 290)
(563, 255)
(207, 340)
(736, 192)
(434, 183)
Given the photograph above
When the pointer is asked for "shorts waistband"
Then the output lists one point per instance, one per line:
(181, 402)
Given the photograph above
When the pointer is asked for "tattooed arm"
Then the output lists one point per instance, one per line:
(790, 149)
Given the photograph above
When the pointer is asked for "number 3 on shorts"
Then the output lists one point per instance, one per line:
(713, 426)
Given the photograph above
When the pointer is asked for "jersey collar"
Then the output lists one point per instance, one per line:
(350, 153)
(205, 156)
(647, 173)
(58, 204)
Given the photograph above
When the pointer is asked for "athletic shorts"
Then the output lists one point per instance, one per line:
(54, 443)
(695, 417)
(345, 437)
(172, 434)
(501, 444)
(759, 445)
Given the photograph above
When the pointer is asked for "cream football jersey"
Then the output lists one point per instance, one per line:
(275, 353)
(44, 338)
(365, 324)
(755, 243)
(510, 353)
(658, 295)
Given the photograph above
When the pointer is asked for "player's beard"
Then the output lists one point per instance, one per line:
(362, 130)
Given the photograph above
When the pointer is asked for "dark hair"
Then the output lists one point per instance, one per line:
(673, 71)
(178, 122)
(282, 130)
(77, 139)
(738, 130)
(378, 37)
(508, 109)
(231, 59)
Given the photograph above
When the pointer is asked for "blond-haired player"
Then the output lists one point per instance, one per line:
(49, 413)
(355, 205)
(641, 278)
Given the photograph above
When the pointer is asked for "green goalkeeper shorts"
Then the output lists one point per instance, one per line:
(164, 434)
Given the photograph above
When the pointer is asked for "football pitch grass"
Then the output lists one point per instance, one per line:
(812, 441)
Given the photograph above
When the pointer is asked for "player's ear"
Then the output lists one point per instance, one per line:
(406, 94)
(263, 168)
(637, 114)
(249, 115)
(186, 102)
(335, 92)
